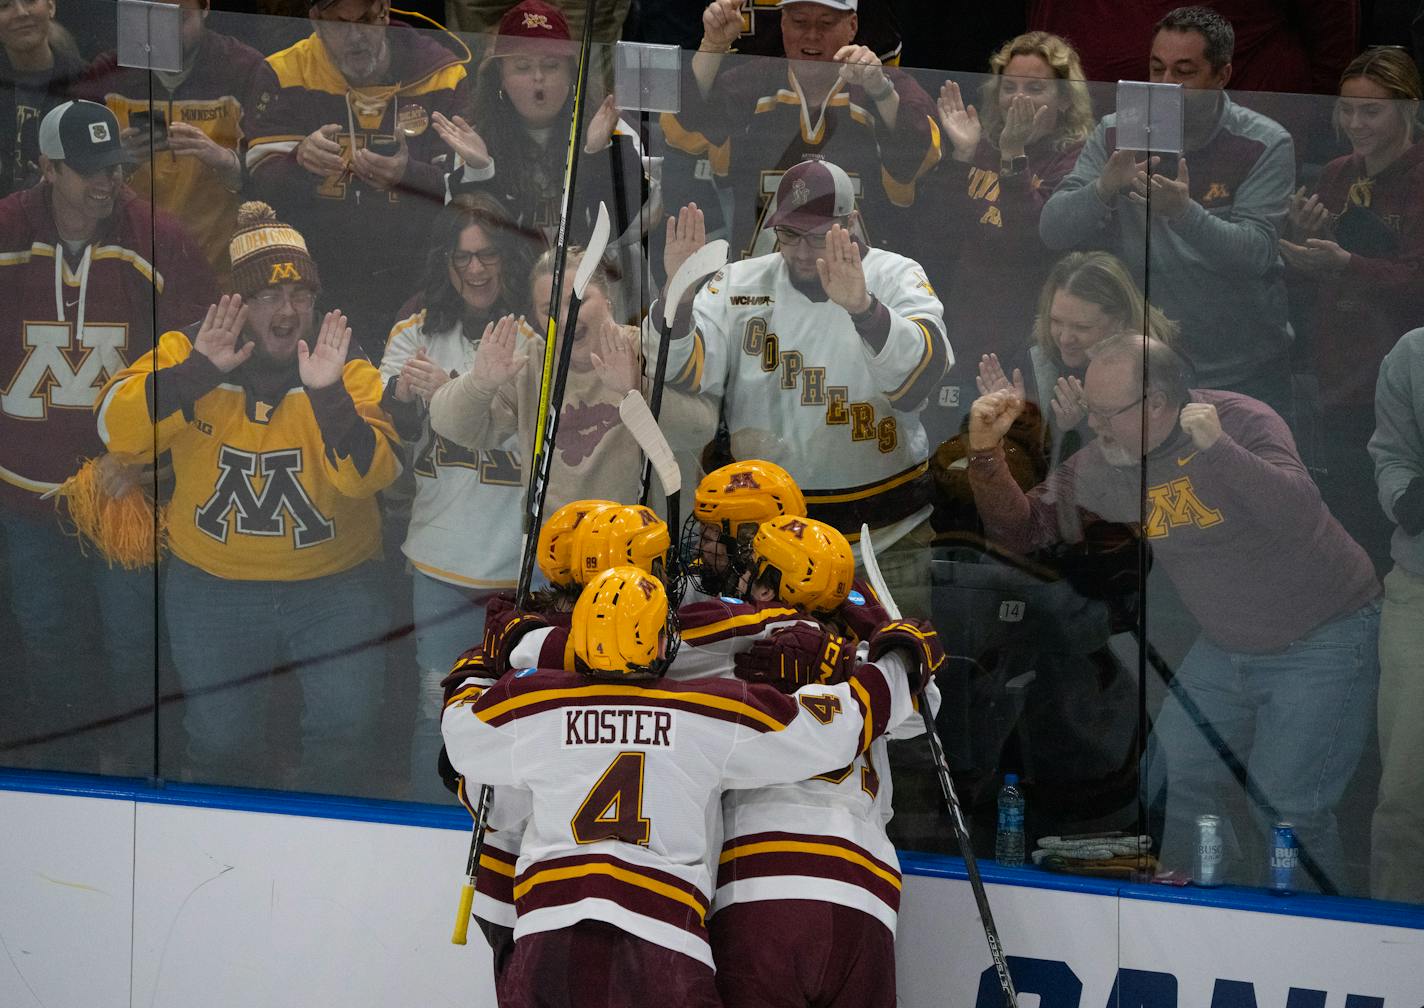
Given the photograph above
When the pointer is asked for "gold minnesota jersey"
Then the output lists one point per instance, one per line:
(259, 494)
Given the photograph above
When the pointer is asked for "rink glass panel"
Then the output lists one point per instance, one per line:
(1059, 660)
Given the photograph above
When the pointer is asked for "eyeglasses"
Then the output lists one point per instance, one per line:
(790, 239)
(487, 257)
(300, 299)
(1106, 416)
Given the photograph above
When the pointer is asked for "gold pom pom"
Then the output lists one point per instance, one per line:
(112, 512)
(255, 212)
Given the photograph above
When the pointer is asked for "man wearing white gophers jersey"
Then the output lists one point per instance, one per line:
(823, 354)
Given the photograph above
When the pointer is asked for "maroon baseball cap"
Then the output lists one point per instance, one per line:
(812, 196)
(533, 27)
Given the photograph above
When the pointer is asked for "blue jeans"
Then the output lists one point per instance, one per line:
(448, 619)
(89, 682)
(1297, 720)
(228, 637)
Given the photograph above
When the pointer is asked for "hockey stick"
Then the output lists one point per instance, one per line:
(551, 401)
(961, 831)
(546, 423)
(708, 259)
(533, 510)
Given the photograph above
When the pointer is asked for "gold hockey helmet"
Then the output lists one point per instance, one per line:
(555, 545)
(809, 563)
(616, 536)
(619, 624)
(748, 492)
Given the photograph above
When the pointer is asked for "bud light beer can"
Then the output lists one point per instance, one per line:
(1285, 855)
(1208, 866)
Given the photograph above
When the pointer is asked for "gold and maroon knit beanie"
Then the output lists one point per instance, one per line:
(266, 252)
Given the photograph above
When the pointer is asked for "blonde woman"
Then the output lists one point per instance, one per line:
(594, 455)
(1087, 297)
(1005, 162)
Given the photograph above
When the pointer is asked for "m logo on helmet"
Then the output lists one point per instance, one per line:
(743, 481)
(284, 271)
(537, 21)
(796, 527)
(646, 587)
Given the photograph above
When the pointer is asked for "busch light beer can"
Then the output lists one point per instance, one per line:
(1285, 855)
(1208, 867)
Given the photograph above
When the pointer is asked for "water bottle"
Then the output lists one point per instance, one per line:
(1009, 845)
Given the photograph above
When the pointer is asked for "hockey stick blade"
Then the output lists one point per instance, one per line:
(593, 252)
(704, 262)
(872, 572)
(645, 430)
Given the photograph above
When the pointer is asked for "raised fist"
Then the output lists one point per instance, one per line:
(797, 656)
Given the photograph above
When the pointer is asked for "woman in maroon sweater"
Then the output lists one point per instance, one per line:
(1357, 255)
(1005, 164)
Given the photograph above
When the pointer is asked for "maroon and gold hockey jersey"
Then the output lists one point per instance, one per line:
(369, 242)
(74, 320)
(756, 111)
(261, 493)
(625, 779)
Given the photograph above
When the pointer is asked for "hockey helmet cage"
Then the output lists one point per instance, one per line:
(622, 535)
(619, 624)
(555, 545)
(811, 562)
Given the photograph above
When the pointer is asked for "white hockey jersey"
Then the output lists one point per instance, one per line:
(465, 521)
(822, 838)
(800, 387)
(625, 781)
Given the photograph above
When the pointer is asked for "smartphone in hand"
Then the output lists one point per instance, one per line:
(152, 126)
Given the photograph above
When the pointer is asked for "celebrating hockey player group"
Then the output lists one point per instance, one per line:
(612, 731)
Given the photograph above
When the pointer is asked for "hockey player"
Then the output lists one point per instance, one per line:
(828, 350)
(808, 860)
(729, 506)
(612, 882)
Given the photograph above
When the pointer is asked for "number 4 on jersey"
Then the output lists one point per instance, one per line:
(613, 809)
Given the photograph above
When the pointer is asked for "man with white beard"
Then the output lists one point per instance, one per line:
(1283, 675)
